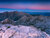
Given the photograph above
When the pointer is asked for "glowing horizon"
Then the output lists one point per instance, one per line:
(36, 6)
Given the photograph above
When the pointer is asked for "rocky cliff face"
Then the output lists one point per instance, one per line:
(21, 31)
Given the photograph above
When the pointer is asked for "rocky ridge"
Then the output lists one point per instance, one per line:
(19, 18)
(20, 31)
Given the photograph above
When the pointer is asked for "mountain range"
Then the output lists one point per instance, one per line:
(21, 18)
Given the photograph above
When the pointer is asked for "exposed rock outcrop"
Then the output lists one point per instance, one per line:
(22, 32)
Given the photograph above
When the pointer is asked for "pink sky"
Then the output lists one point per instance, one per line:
(26, 6)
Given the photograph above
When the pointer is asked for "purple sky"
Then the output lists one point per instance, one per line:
(37, 6)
